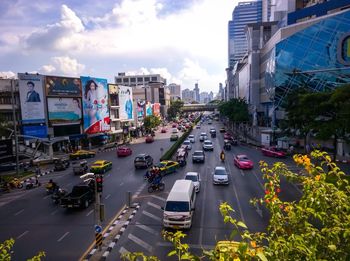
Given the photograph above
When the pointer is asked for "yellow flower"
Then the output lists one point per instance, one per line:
(253, 244)
(318, 177)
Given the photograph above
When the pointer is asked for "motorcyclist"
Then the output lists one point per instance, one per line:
(222, 155)
(51, 185)
(157, 179)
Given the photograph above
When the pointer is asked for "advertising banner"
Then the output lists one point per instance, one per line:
(113, 89)
(148, 109)
(95, 105)
(156, 109)
(63, 86)
(39, 131)
(125, 103)
(141, 109)
(64, 110)
(31, 97)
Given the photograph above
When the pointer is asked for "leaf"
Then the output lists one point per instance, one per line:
(233, 234)
(241, 224)
(332, 247)
(261, 256)
(172, 253)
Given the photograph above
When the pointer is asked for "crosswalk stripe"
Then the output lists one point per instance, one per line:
(154, 205)
(157, 197)
(122, 250)
(151, 215)
(140, 242)
(148, 229)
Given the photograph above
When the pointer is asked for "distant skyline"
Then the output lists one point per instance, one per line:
(184, 40)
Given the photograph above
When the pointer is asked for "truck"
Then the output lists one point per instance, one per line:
(82, 196)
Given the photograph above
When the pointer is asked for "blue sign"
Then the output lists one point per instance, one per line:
(98, 229)
(39, 131)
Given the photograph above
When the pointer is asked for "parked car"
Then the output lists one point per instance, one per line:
(174, 137)
(191, 138)
(80, 167)
(220, 176)
(198, 126)
(123, 151)
(227, 136)
(82, 154)
(167, 166)
(149, 139)
(187, 143)
(242, 162)
(101, 166)
(82, 196)
(208, 145)
(143, 161)
(273, 152)
(175, 130)
(203, 136)
(195, 178)
(198, 156)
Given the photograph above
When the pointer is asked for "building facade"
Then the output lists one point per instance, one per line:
(138, 80)
(175, 91)
(187, 96)
(196, 93)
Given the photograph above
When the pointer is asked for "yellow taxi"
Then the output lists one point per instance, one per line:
(167, 166)
(101, 166)
(82, 154)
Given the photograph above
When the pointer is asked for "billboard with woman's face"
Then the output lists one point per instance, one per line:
(64, 110)
(95, 105)
(141, 109)
(125, 103)
(148, 109)
(156, 109)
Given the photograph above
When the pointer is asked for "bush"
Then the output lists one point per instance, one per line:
(169, 153)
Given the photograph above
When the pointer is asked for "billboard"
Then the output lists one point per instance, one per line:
(156, 109)
(62, 86)
(95, 105)
(113, 89)
(125, 103)
(64, 110)
(141, 109)
(31, 97)
(39, 131)
(148, 109)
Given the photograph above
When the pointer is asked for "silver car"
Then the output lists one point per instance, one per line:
(220, 176)
(194, 176)
(208, 145)
(191, 138)
(187, 143)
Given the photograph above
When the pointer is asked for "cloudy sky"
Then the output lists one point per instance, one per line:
(183, 40)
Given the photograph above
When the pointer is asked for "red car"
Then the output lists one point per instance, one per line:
(149, 139)
(174, 125)
(227, 136)
(273, 152)
(242, 162)
(123, 151)
(163, 130)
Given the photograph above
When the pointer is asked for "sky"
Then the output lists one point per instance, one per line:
(185, 41)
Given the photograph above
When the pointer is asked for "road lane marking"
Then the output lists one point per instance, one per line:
(160, 198)
(121, 184)
(241, 171)
(54, 212)
(108, 175)
(21, 235)
(69, 184)
(148, 229)
(258, 210)
(107, 197)
(261, 185)
(140, 242)
(90, 212)
(154, 205)
(62, 237)
(122, 250)
(46, 196)
(19, 212)
(203, 210)
(151, 215)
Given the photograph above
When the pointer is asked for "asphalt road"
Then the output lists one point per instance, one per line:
(144, 232)
(36, 224)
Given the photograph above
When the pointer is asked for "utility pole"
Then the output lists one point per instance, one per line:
(15, 125)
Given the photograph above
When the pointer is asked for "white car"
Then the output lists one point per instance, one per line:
(187, 143)
(203, 136)
(191, 138)
(208, 145)
(194, 176)
(198, 126)
(220, 176)
(174, 130)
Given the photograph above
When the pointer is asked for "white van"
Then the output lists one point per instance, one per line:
(179, 206)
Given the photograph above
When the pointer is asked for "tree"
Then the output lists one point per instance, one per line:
(235, 109)
(316, 227)
(151, 122)
(174, 109)
(5, 251)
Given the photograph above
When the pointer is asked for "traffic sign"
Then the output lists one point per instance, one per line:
(98, 229)
(98, 239)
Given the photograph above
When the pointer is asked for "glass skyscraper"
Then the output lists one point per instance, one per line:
(243, 14)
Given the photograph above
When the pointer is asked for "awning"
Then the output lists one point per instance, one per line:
(77, 136)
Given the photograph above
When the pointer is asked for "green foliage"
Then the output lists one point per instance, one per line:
(316, 227)
(175, 109)
(151, 122)
(5, 251)
(235, 109)
(170, 152)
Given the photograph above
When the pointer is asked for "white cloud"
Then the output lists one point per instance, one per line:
(8, 75)
(64, 65)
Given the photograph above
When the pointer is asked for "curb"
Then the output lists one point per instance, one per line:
(38, 175)
(105, 150)
(112, 244)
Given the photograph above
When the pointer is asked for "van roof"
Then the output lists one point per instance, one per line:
(181, 190)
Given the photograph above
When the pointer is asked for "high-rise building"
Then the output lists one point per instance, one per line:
(221, 93)
(204, 97)
(196, 93)
(243, 14)
(187, 96)
(175, 91)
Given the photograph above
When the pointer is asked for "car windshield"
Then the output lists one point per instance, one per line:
(139, 159)
(243, 158)
(191, 177)
(191, 136)
(198, 153)
(186, 142)
(97, 164)
(177, 206)
(207, 142)
(220, 172)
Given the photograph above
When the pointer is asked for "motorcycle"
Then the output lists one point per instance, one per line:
(50, 188)
(16, 183)
(57, 195)
(154, 187)
(32, 184)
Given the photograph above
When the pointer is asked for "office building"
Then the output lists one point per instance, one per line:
(196, 93)
(244, 13)
(138, 80)
(187, 96)
(175, 91)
